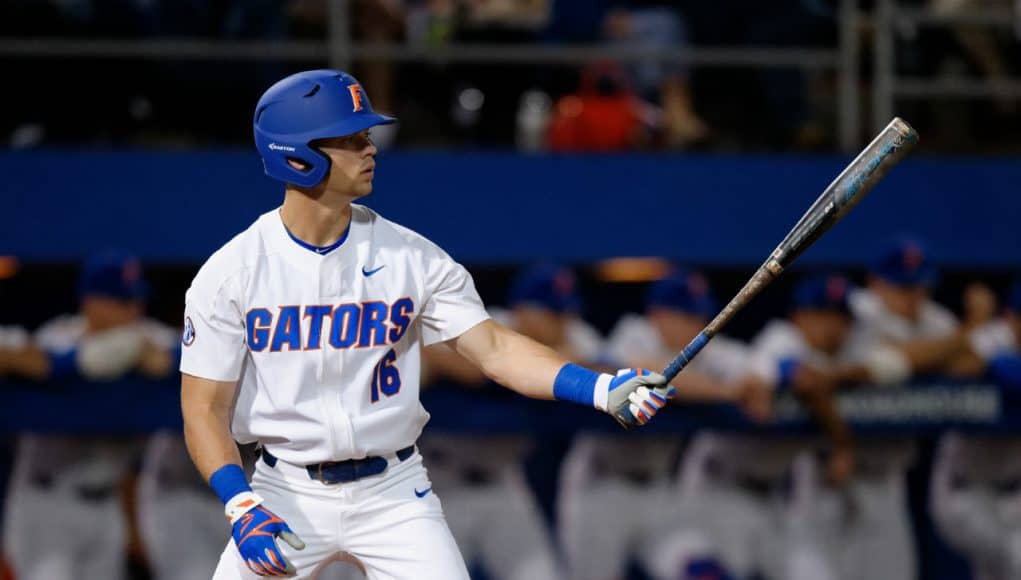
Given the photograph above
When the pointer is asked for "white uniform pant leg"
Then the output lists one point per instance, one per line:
(53, 534)
(597, 522)
(184, 531)
(515, 542)
(747, 529)
(672, 538)
(880, 540)
(397, 531)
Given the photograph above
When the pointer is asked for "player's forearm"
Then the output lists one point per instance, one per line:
(209, 442)
(28, 362)
(822, 406)
(206, 407)
(933, 354)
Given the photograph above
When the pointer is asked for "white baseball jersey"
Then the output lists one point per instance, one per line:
(876, 323)
(326, 346)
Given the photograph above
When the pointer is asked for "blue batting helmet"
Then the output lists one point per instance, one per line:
(682, 291)
(905, 263)
(548, 286)
(823, 292)
(303, 107)
(113, 274)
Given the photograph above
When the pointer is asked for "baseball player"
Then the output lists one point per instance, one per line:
(735, 483)
(304, 334)
(616, 495)
(64, 515)
(481, 477)
(976, 480)
(864, 530)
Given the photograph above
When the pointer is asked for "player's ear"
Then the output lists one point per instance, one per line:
(298, 164)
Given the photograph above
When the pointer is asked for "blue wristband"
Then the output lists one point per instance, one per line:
(575, 383)
(788, 367)
(63, 365)
(229, 481)
(1005, 369)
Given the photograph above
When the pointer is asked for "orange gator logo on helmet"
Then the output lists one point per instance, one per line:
(356, 96)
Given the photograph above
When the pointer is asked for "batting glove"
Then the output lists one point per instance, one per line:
(254, 535)
(633, 396)
(254, 528)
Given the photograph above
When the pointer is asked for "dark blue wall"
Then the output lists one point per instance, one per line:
(502, 207)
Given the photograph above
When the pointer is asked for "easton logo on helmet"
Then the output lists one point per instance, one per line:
(276, 147)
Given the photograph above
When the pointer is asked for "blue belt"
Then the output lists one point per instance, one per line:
(348, 470)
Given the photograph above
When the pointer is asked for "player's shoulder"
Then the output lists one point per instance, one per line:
(387, 231)
(13, 337)
(864, 304)
(938, 318)
(727, 346)
(60, 333)
(159, 333)
(779, 335)
(631, 326)
(234, 257)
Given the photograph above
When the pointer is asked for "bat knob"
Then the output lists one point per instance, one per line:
(625, 418)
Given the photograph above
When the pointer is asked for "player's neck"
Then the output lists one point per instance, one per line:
(313, 220)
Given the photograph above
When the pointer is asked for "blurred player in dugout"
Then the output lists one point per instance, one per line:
(64, 515)
(976, 479)
(862, 531)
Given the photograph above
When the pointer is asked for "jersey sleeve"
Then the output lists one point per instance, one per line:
(452, 305)
(776, 346)
(213, 343)
(631, 341)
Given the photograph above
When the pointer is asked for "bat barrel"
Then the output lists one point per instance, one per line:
(848, 189)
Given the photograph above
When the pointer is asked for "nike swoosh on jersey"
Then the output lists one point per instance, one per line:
(368, 273)
(423, 493)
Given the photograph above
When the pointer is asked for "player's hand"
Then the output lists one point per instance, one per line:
(755, 399)
(840, 466)
(634, 396)
(255, 534)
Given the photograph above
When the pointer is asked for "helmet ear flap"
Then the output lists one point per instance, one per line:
(317, 166)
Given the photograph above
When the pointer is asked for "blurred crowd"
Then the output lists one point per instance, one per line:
(718, 505)
(602, 106)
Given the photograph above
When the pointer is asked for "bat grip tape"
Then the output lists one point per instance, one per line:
(685, 356)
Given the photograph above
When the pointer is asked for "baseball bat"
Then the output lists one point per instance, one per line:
(846, 191)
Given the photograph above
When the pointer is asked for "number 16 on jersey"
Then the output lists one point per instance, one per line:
(386, 378)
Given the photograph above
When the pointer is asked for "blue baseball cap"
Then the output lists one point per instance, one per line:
(548, 286)
(823, 292)
(905, 263)
(1014, 298)
(113, 274)
(684, 291)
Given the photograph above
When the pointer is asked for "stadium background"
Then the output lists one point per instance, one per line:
(127, 124)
